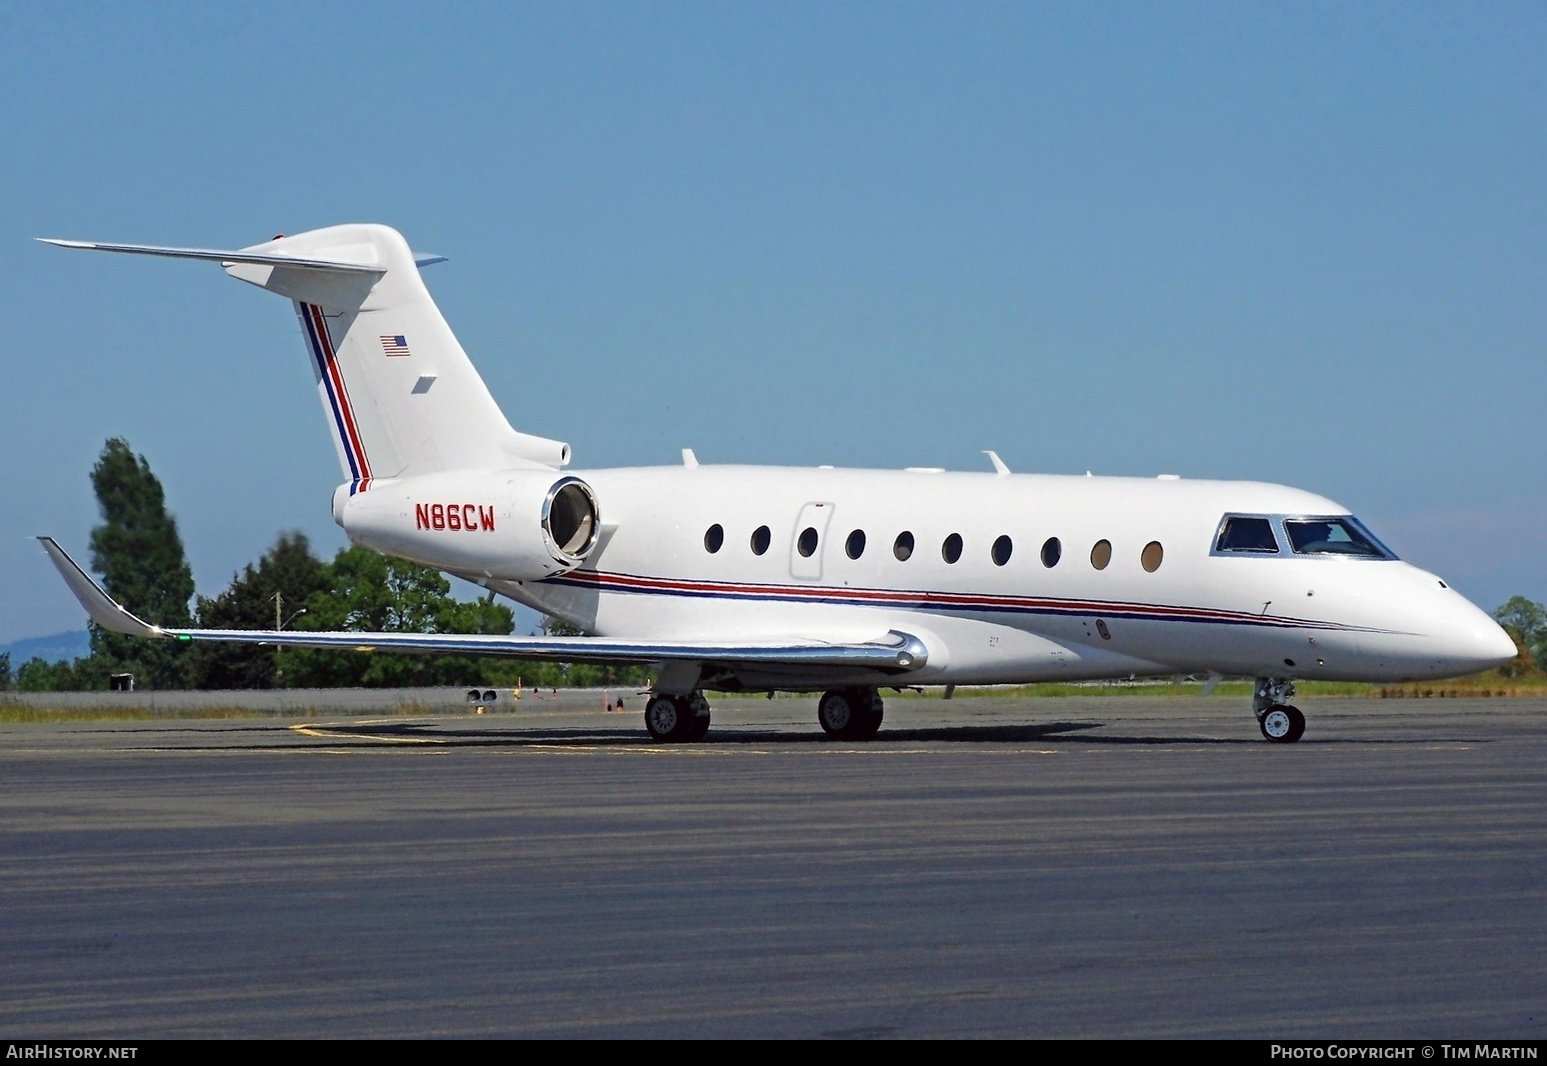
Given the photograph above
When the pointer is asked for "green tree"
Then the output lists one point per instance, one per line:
(1526, 621)
(5, 671)
(39, 675)
(139, 554)
(371, 592)
(545, 674)
(289, 570)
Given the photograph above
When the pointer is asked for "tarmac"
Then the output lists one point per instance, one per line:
(1137, 866)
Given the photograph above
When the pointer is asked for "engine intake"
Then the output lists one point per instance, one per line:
(570, 520)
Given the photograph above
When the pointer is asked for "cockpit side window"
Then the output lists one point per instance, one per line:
(1242, 534)
(1333, 536)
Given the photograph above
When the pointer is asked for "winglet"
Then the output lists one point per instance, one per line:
(999, 466)
(104, 610)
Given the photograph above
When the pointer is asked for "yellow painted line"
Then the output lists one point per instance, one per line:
(323, 732)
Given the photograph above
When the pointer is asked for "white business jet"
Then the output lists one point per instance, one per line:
(748, 578)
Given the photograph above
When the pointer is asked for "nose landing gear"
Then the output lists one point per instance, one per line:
(1280, 723)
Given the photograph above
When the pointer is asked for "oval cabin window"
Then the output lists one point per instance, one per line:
(1051, 552)
(807, 543)
(855, 545)
(761, 538)
(1101, 554)
(714, 536)
(1001, 551)
(902, 547)
(951, 550)
(1151, 556)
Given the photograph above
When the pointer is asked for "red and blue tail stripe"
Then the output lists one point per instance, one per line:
(316, 327)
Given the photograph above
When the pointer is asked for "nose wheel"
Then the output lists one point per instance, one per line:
(1283, 725)
(677, 719)
(1280, 723)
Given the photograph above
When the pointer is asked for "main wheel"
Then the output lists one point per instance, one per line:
(697, 728)
(849, 714)
(666, 718)
(835, 713)
(1283, 724)
(867, 721)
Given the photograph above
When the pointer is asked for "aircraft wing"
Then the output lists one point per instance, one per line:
(894, 652)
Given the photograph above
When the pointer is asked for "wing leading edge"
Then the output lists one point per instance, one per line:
(894, 653)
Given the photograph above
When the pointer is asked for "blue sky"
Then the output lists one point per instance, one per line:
(1298, 243)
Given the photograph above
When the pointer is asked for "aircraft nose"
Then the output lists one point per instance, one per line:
(1480, 642)
(1497, 647)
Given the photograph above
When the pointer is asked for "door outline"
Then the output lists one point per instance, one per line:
(812, 516)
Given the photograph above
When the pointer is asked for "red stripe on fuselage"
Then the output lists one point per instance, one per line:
(934, 600)
(336, 377)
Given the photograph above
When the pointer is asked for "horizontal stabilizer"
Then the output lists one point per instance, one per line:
(894, 653)
(237, 256)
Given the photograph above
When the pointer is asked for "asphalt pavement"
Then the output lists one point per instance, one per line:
(1101, 867)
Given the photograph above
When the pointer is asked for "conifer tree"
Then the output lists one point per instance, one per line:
(139, 554)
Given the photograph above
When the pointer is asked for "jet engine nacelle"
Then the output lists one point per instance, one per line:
(519, 525)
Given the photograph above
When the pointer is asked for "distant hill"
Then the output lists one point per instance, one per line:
(53, 648)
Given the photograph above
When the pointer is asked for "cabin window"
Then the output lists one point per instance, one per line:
(951, 550)
(1332, 536)
(1243, 534)
(714, 536)
(1151, 556)
(1101, 554)
(1052, 551)
(761, 538)
(855, 545)
(807, 543)
(902, 547)
(1001, 550)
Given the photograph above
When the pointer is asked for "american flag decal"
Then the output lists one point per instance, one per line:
(395, 345)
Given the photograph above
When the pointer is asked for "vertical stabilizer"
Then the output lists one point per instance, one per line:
(397, 389)
(399, 392)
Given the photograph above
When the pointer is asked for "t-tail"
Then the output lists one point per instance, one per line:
(398, 392)
(427, 455)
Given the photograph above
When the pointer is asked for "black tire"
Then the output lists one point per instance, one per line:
(1297, 724)
(666, 718)
(835, 713)
(871, 712)
(849, 714)
(698, 728)
(1282, 724)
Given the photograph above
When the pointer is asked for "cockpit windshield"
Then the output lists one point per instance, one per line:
(1285, 535)
(1333, 536)
(1246, 533)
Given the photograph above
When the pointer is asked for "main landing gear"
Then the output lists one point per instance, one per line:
(850, 713)
(1279, 722)
(677, 718)
(844, 714)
